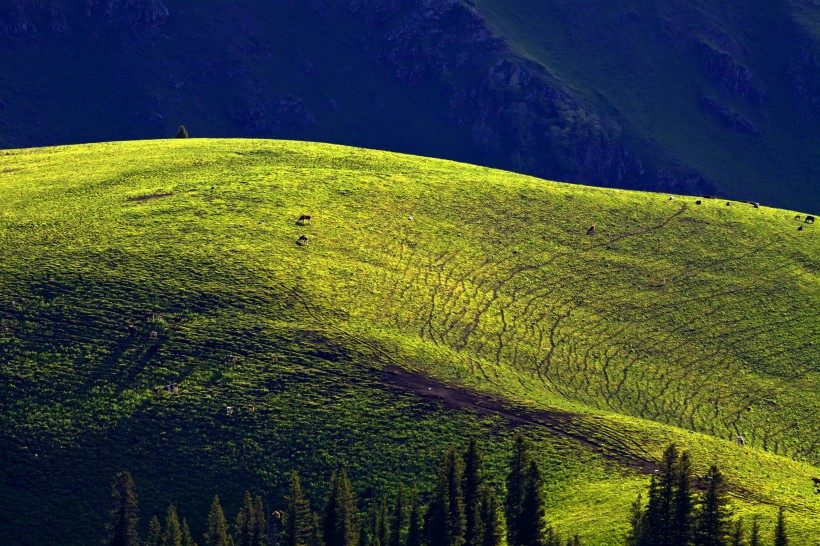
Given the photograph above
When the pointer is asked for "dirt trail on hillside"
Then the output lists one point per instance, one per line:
(558, 422)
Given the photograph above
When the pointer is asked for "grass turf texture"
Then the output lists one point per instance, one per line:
(385, 337)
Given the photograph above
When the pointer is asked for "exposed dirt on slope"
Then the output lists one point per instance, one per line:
(151, 196)
(558, 422)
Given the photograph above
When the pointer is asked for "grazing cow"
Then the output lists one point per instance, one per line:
(231, 358)
(230, 410)
(410, 218)
(809, 219)
(177, 319)
(799, 228)
(149, 316)
(756, 205)
(157, 389)
(728, 203)
(671, 198)
(174, 387)
(132, 330)
(154, 334)
(304, 219)
(591, 229)
(698, 202)
(741, 441)
(797, 217)
(251, 408)
(302, 241)
(816, 481)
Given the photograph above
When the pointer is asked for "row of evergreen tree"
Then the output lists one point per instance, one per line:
(672, 517)
(463, 510)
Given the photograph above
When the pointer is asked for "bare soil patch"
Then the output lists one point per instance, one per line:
(151, 196)
(558, 422)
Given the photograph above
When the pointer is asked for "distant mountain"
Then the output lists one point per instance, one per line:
(680, 97)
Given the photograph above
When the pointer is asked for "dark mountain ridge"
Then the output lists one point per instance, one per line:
(442, 78)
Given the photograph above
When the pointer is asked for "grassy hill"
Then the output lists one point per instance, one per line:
(433, 301)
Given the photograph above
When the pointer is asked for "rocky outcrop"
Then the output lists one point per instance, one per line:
(732, 77)
(731, 119)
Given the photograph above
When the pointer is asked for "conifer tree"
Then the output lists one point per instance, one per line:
(245, 522)
(187, 538)
(636, 522)
(217, 533)
(381, 524)
(516, 483)
(299, 521)
(660, 511)
(398, 522)
(260, 535)
(711, 523)
(172, 535)
(531, 530)
(414, 529)
(754, 534)
(737, 534)
(315, 531)
(437, 518)
(780, 538)
(472, 484)
(339, 526)
(490, 520)
(124, 512)
(154, 533)
(182, 132)
(681, 525)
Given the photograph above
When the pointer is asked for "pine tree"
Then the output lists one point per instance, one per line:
(490, 520)
(381, 524)
(437, 518)
(124, 512)
(398, 522)
(217, 533)
(339, 526)
(737, 534)
(531, 530)
(661, 507)
(154, 533)
(245, 522)
(711, 524)
(182, 132)
(754, 534)
(299, 520)
(187, 538)
(260, 535)
(414, 529)
(516, 483)
(780, 538)
(472, 484)
(172, 536)
(636, 522)
(681, 525)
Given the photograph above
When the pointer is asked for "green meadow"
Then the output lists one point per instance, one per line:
(431, 302)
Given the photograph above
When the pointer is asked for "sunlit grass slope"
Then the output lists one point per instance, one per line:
(670, 321)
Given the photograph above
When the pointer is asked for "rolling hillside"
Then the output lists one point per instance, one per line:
(433, 301)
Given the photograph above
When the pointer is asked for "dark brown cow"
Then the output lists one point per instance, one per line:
(132, 330)
(302, 241)
(809, 219)
(591, 229)
(698, 202)
(304, 219)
